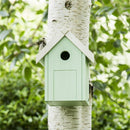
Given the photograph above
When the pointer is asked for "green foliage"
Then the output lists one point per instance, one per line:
(4, 34)
(110, 77)
(22, 105)
(27, 73)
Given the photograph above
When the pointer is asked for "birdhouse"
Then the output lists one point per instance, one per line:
(66, 71)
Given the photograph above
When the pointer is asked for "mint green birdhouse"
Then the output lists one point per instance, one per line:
(66, 71)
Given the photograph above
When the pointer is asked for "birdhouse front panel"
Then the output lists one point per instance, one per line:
(66, 74)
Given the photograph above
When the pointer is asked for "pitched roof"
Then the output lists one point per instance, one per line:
(73, 39)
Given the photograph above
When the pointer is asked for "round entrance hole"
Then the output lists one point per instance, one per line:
(65, 55)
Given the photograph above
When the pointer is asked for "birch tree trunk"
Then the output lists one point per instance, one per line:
(74, 16)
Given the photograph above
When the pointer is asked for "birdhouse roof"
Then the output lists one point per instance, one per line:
(84, 49)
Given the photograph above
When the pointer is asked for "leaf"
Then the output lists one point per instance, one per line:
(38, 64)
(106, 1)
(101, 10)
(128, 51)
(111, 11)
(94, 35)
(27, 73)
(1, 47)
(125, 40)
(4, 13)
(123, 67)
(99, 85)
(25, 50)
(119, 25)
(98, 3)
(104, 30)
(44, 116)
(20, 56)
(45, 16)
(10, 43)
(9, 57)
(116, 13)
(22, 33)
(39, 11)
(104, 61)
(117, 43)
(128, 77)
(13, 63)
(128, 20)
(4, 34)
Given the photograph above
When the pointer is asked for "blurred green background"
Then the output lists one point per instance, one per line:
(22, 24)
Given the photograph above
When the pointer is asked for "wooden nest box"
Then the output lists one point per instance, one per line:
(66, 71)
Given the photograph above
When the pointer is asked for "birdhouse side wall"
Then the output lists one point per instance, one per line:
(85, 78)
(46, 78)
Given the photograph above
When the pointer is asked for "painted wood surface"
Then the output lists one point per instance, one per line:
(59, 37)
(66, 80)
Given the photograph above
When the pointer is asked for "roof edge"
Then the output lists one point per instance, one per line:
(84, 49)
(49, 46)
(80, 45)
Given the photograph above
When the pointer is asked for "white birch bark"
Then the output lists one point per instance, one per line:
(76, 19)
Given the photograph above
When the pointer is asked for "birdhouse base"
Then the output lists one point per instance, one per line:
(68, 103)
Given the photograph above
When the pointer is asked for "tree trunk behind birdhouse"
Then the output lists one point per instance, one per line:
(74, 16)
